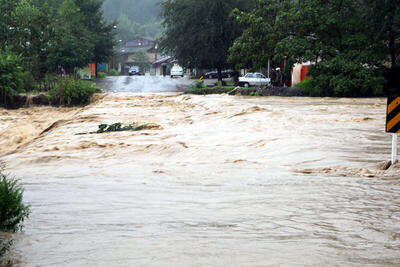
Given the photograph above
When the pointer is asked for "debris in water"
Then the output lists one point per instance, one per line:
(118, 127)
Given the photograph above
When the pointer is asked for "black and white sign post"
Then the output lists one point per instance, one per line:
(393, 123)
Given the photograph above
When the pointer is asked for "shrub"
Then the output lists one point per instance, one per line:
(210, 90)
(114, 73)
(197, 85)
(254, 94)
(12, 209)
(49, 82)
(307, 87)
(73, 92)
(10, 76)
(344, 75)
(28, 81)
(101, 75)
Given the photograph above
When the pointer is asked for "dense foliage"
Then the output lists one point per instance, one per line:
(55, 35)
(199, 33)
(12, 209)
(73, 92)
(350, 42)
(10, 76)
(12, 212)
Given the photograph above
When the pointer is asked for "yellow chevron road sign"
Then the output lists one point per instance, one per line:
(393, 115)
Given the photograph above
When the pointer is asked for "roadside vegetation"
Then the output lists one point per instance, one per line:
(73, 92)
(197, 88)
(353, 46)
(13, 212)
(42, 39)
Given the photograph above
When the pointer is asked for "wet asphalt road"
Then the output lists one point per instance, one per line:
(144, 84)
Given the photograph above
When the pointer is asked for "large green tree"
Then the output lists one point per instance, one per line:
(199, 33)
(257, 43)
(71, 46)
(349, 41)
(101, 33)
(7, 21)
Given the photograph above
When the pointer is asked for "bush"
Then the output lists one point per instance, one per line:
(12, 209)
(114, 73)
(101, 75)
(307, 87)
(73, 92)
(49, 82)
(344, 76)
(29, 83)
(254, 94)
(197, 85)
(10, 76)
(212, 90)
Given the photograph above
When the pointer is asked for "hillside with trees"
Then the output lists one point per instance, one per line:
(135, 18)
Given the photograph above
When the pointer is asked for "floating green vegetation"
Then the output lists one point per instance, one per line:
(118, 127)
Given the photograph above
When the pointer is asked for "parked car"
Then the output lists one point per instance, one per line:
(254, 79)
(229, 73)
(225, 74)
(177, 71)
(135, 70)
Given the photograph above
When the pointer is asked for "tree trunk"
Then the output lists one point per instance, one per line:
(219, 76)
(95, 65)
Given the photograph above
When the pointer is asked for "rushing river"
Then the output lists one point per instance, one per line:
(226, 181)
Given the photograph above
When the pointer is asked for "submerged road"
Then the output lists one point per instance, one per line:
(144, 84)
(223, 181)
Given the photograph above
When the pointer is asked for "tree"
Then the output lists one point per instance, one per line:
(142, 59)
(33, 35)
(7, 21)
(257, 43)
(335, 36)
(347, 40)
(100, 32)
(199, 33)
(10, 76)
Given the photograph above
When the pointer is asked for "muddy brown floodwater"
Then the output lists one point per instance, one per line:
(226, 181)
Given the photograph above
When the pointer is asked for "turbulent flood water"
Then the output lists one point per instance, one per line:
(226, 181)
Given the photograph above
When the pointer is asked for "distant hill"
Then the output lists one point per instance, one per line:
(136, 17)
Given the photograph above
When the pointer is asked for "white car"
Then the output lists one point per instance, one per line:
(254, 79)
(177, 71)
